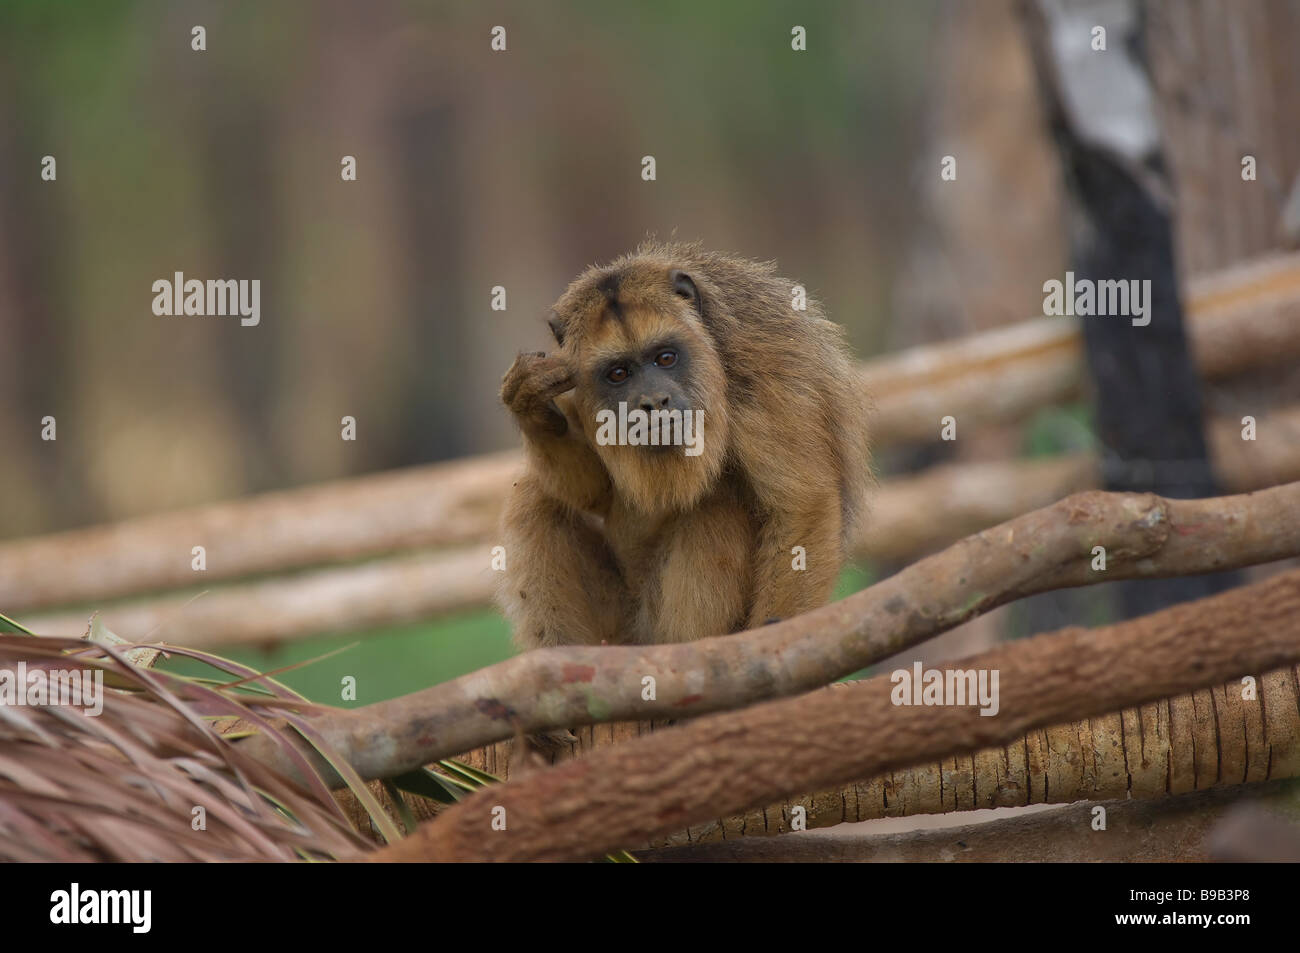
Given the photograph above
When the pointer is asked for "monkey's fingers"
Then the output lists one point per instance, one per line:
(531, 398)
(556, 382)
(552, 372)
(514, 378)
(537, 372)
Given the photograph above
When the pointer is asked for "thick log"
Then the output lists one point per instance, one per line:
(1052, 548)
(1175, 829)
(721, 764)
(1190, 742)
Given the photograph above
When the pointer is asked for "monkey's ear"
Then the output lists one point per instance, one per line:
(684, 285)
(556, 324)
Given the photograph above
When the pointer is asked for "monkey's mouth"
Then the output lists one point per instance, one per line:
(669, 438)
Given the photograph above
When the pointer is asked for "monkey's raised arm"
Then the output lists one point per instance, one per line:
(564, 463)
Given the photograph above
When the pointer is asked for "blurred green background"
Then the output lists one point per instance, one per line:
(394, 661)
(475, 169)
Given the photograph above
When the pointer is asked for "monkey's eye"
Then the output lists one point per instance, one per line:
(616, 374)
(666, 358)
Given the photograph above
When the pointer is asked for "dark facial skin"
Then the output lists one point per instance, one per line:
(654, 379)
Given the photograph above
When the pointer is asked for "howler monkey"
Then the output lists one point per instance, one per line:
(638, 519)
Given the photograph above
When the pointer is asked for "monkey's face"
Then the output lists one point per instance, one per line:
(649, 387)
(649, 373)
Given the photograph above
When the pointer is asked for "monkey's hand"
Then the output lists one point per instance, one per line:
(530, 387)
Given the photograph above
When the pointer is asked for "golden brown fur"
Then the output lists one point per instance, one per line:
(629, 544)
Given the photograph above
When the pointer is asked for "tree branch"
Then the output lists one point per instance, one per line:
(717, 765)
(1144, 537)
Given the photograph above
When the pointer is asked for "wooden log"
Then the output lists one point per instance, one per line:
(723, 763)
(1247, 317)
(1175, 829)
(911, 516)
(1198, 741)
(1052, 548)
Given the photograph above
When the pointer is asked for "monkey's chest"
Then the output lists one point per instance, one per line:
(717, 536)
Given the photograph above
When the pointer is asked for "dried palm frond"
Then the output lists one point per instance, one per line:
(152, 776)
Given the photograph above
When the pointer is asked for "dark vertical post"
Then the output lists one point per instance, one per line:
(1147, 397)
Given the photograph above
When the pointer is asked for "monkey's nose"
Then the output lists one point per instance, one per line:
(657, 402)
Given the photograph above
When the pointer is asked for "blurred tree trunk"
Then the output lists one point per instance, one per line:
(32, 224)
(1102, 109)
(1226, 77)
(1227, 81)
(426, 139)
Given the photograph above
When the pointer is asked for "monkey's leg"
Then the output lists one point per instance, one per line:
(797, 561)
(703, 581)
(562, 584)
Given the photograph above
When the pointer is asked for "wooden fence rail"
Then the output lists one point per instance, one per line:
(1247, 316)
